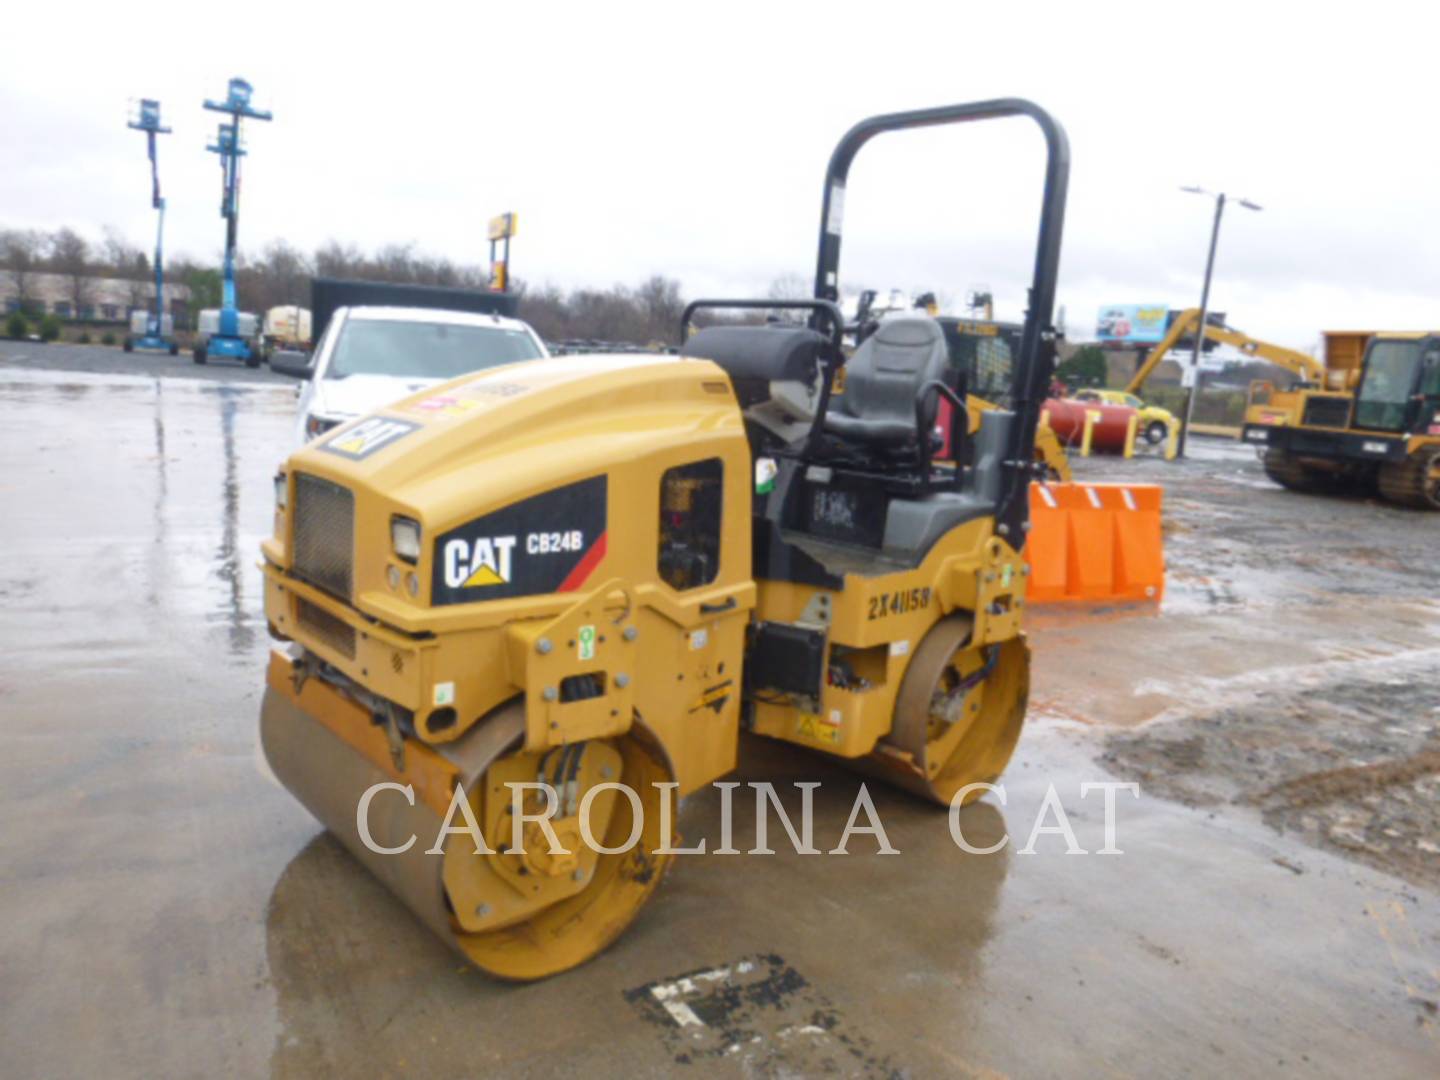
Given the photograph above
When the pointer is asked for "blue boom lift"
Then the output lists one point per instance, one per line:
(227, 339)
(158, 331)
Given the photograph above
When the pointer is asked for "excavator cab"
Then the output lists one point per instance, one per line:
(1399, 385)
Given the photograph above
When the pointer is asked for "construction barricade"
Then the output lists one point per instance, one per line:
(1095, 543)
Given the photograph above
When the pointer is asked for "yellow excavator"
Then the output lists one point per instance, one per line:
(543, 599)
(1337, 377)
(1305, 366)
(1373, 423)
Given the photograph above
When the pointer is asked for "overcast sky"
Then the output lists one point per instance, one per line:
(634, 139)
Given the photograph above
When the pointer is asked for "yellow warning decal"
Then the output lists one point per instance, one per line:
(713, 697)
(818, 729)
(366, 437)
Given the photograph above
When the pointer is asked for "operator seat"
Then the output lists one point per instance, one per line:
(883, 378)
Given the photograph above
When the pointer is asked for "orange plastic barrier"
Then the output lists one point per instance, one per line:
(1095, 542)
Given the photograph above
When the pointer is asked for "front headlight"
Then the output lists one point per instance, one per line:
(282, 491)
(405, 538)
(316, 425)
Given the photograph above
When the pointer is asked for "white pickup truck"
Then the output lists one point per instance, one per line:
(371, 356)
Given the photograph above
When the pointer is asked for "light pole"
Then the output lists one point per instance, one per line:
(1220, 199)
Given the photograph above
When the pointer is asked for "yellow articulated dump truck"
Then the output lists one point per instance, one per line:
(1373, 423)
(543, 599)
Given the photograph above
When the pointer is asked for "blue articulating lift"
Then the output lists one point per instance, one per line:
(228, 339)
(159, 330)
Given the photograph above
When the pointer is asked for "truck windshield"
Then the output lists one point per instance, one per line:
(1387, 385)
(424, 350)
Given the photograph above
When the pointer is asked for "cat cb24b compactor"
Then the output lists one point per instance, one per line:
(562, 573)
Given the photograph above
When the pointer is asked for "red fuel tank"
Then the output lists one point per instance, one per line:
(1067, 420)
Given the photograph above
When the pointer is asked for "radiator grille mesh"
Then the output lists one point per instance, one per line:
(324, 542)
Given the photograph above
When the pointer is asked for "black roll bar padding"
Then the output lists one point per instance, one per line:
(832, 359)
(826, 307)
(1037, 355)
(961, 414)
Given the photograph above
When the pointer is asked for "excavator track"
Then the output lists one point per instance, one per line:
(1414, 481)
(1289, 472)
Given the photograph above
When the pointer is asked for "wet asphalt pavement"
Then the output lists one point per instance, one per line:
(111, 360)
(167, 910)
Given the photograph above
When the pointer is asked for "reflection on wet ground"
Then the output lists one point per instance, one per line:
(166, 909)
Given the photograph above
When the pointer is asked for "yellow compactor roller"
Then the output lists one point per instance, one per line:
(564, 574)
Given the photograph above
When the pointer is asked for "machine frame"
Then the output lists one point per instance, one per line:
(562, 571)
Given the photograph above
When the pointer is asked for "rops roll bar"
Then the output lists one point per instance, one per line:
(1036, 360)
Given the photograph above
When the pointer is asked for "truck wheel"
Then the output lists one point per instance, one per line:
(174, 348)
(252, 361)
(1156, 433)
(200, 354)
(1289, 472)
(1414, 481)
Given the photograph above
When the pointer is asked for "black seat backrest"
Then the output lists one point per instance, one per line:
(883, 378)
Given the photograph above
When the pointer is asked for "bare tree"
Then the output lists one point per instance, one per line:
(21, 253)
(70, 256)
(128, 263)
(620, 316)
(662, 305)
(789, 287)
(544, 309)
(282, 276)
(396, 262)
(338, 260)
(120, 256)
(138, 291)
(474, 276)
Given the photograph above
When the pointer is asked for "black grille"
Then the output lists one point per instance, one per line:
(324, 534)
(331, 631)
(1326, 412)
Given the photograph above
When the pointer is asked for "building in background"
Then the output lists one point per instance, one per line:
(100, 299)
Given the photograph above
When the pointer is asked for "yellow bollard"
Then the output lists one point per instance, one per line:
(1092, 417)
(1172, 443)
(1130, 431)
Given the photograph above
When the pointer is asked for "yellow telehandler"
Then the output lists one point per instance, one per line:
(545, 598)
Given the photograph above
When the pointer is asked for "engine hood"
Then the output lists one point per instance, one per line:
(543, 440)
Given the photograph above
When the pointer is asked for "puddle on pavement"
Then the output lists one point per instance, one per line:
(138, 507)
